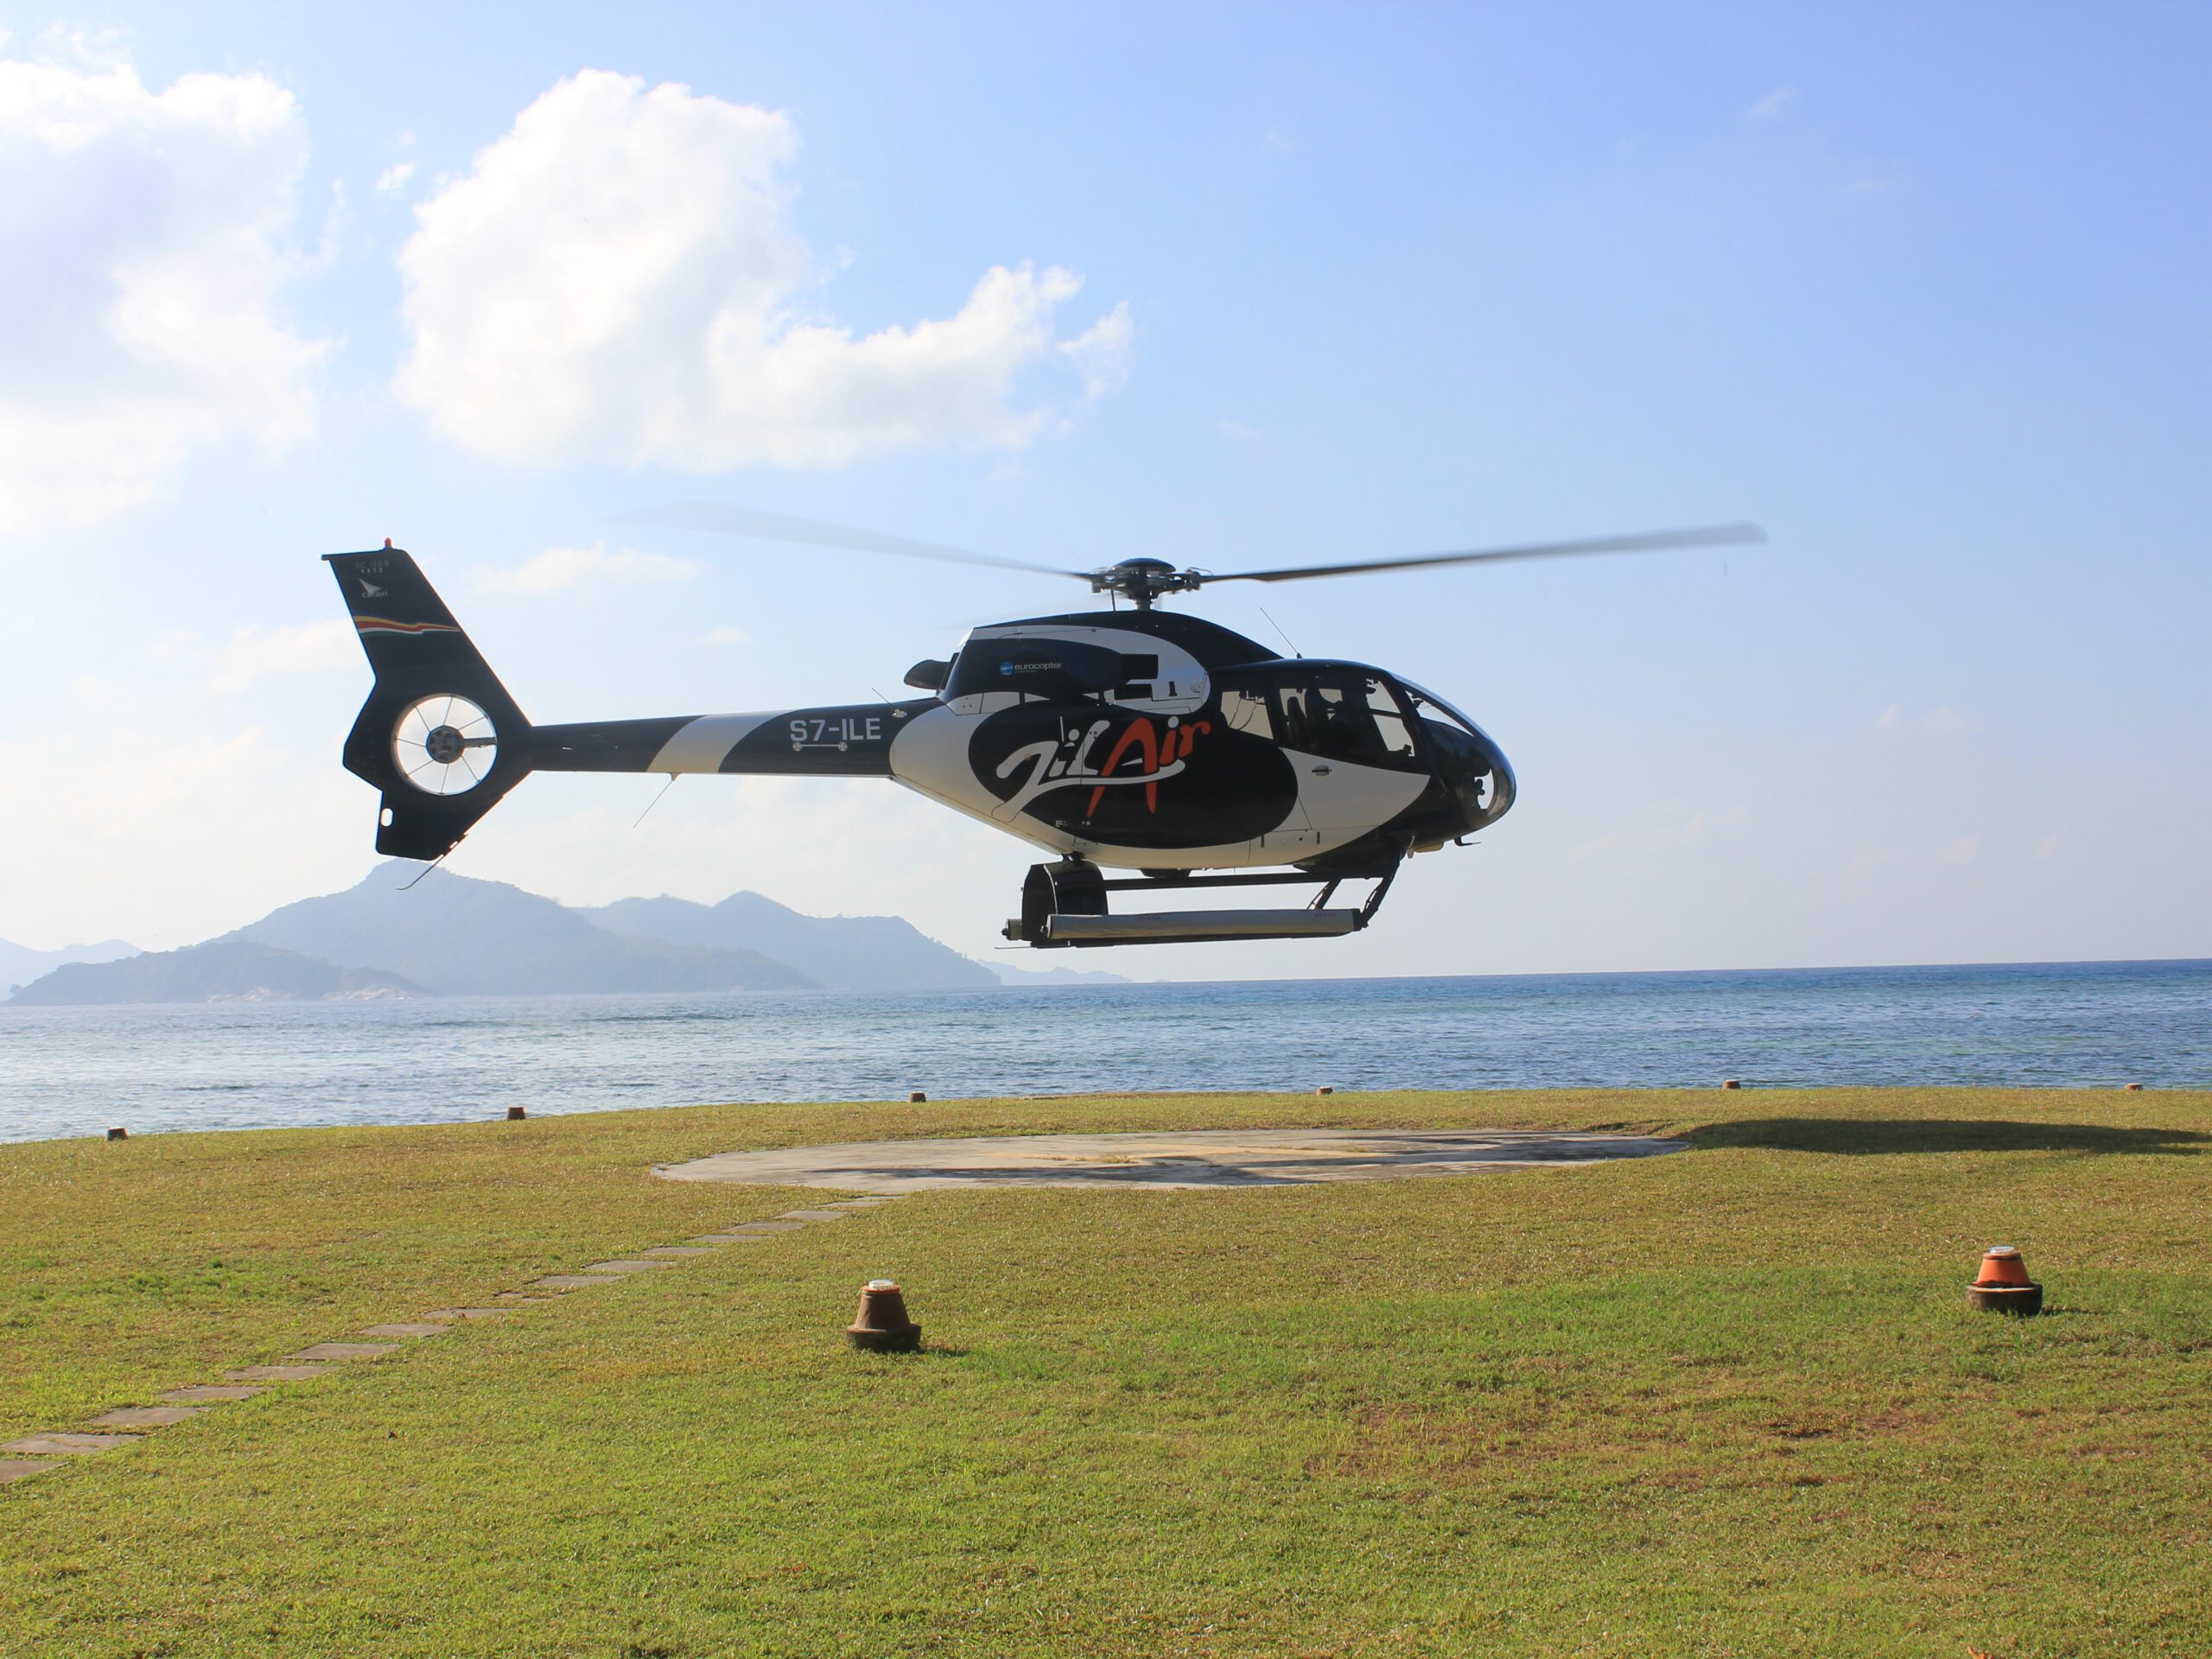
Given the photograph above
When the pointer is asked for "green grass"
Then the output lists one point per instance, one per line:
(1726, 1403)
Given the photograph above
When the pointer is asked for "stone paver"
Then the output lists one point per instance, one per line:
(813, 1215)
(16, 1468)
(676, 1250)
(576, 1280)
(322, 1351)
(407, 1328)
(1182, 1160)
(67, 1446)
(760, 1228)
(146, 1416)
(280, 1373)
(623, 1267)
(210, 1392)
(729, 1238)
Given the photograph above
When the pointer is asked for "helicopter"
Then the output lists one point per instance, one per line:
(1136, 740)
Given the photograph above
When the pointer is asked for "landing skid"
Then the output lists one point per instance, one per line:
(1064, 904)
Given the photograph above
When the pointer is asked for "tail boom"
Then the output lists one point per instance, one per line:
(837, 741)
(442, 742)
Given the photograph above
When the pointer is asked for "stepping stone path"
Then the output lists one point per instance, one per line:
(65, 1445)
(147, 1416)
(35, 1454)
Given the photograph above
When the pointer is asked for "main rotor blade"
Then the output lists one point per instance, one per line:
(720, 519)
(1648, 542)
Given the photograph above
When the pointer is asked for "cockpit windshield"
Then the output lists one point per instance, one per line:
(1426, 701)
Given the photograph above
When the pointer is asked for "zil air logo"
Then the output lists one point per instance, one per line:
(370, 590)
(1152, 754)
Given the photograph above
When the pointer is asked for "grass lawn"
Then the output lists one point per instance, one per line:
(1725, 1402)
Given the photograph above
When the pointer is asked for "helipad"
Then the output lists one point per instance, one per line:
(1189, 1159)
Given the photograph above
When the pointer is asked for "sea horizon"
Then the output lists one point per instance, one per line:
(75, 1070)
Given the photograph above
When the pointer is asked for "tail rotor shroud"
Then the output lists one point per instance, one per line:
(439, 736)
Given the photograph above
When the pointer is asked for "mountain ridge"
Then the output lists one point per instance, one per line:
(853, 953)
(402, 931)
(19, 964)
(460, 935)
(220, 970)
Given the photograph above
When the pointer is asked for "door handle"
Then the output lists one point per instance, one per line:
(1323, 772)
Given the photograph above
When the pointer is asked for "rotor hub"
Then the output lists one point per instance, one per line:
(1142, 580)
(445, 744)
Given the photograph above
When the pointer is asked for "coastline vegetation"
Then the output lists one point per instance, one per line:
(1727, 1401)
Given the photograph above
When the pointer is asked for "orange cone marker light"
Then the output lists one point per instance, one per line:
(2003, 1286)
(882, 1327)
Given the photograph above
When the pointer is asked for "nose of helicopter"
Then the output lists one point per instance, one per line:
(1475, 770)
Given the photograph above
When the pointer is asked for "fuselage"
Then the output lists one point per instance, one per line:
(1157, 741)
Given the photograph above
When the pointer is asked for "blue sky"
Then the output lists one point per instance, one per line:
(1919, 291)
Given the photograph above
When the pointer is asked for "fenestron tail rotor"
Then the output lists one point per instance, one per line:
(444, 745)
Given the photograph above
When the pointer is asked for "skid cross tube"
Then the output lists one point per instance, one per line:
(1154, 884)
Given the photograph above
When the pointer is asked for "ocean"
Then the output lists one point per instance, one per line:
(71, 1071)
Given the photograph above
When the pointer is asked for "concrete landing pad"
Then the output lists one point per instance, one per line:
(1185, 1159)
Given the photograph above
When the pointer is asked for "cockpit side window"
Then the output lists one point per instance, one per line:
(1342, 713)
(1244, 708)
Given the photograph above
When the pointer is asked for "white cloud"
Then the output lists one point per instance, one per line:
(1945, 722)
(1665, 827)
(618, 278)
(1965, 850)
(140, 276)
(726, 636)
(1775, 103)
(561, 569)
(120, 813)
(256, 652)
(394, 178)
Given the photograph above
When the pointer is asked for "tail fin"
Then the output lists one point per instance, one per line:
(439, 736)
